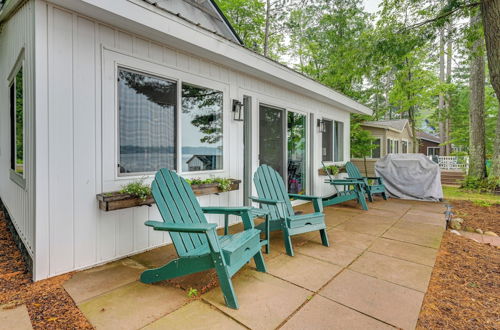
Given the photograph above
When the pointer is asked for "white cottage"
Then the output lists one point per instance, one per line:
(97, 93)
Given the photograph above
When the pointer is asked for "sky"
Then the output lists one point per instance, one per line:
(371, 6)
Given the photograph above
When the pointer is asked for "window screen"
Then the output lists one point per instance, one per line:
(17, 123)
(327, 141)
(339, 142)
(376, 150)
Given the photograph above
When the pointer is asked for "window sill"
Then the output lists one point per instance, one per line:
(17, 179)
(116, 201)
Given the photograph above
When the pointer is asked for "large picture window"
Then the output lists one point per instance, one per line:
(17, 121)
(339, 142)
(201, 128)
(147, 122)
(327, 141)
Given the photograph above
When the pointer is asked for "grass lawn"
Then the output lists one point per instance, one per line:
(454, 193)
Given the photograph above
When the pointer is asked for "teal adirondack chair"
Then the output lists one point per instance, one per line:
(371, 189)
(273, 197)
(196, 241)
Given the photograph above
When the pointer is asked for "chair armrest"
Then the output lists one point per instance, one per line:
(340, 182)
(265, 200)
(303, 197)
(317, 201)
(225, 210)
(181, 227)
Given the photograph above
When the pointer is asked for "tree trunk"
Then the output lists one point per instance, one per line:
(490, 12)
(442, 130)
(449, 52)
(266, 31)
(366, 168)
(477, 166)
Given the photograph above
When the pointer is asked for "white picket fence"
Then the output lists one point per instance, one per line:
(452, 162)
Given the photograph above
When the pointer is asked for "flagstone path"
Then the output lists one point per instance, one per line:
(373, 276)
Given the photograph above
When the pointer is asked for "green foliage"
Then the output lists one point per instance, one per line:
(361, 140)
(192, 293)
(224, 184)
(332, 169)
(137, 189)
(489, 184)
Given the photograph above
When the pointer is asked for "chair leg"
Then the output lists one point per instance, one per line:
(259, 262)
(324, 237)
(288, 241)
(384, 195)
(362, 200)
(226, 286)
(370, 197)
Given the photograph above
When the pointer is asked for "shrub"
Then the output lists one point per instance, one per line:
(490, 184)
(332, 169)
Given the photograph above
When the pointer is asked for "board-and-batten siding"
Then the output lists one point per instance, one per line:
(15, 35)
(80, 234)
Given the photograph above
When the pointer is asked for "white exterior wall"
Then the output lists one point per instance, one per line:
(76, 145)
(17, 41)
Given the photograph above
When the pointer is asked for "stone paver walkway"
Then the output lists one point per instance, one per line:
(373, 276)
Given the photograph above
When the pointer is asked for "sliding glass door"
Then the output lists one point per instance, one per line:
(282, 145)
(271, 137)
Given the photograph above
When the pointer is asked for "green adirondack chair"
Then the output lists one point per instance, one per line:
(371, 189)
(196, 241)
(273, 197)
(351, 189)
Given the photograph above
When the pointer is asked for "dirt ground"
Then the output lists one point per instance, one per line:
(49, 306)
(475, 216)
(464, 291)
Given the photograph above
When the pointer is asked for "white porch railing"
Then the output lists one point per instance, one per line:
(452, 162)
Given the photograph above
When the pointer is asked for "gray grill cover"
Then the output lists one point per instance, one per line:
(410, 176)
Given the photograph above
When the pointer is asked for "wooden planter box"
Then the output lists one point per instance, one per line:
(116, 201)
(321, 171)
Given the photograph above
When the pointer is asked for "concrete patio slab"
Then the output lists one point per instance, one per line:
(195, 315)
(430, 219)
(96, 281)
(398, 271)
(407, 251)
(312, 277)
(156, 257)
(429, 207)
(339, 254)
(265, 301)
(421, 234)
(15, 318)
(132, 306)
(380, 299)
(365, 227)
(351, 238)
(322, 313)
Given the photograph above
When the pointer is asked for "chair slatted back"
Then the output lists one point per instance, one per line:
(353, 171)
(178, 204)
(270, 185)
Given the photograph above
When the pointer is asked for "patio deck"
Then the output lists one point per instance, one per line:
(374, 275)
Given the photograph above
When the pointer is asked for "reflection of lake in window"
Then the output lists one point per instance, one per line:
(201, 128)
(147, 107)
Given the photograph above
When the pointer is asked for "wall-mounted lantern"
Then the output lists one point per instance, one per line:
(237, 110)
(321, 126)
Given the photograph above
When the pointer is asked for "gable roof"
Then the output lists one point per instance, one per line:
(428, 137)
(203, 13)
(396, 125)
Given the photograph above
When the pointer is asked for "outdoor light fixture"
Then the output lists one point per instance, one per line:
(237, 110)
(321, 126)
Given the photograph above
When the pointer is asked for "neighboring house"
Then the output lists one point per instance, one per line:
(391, 136)
(428, 144)
(98, 93)
(203, 162)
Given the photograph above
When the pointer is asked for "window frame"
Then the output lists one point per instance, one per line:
(433, 148)
(407, 146)
(120, 60)
(19, 179)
